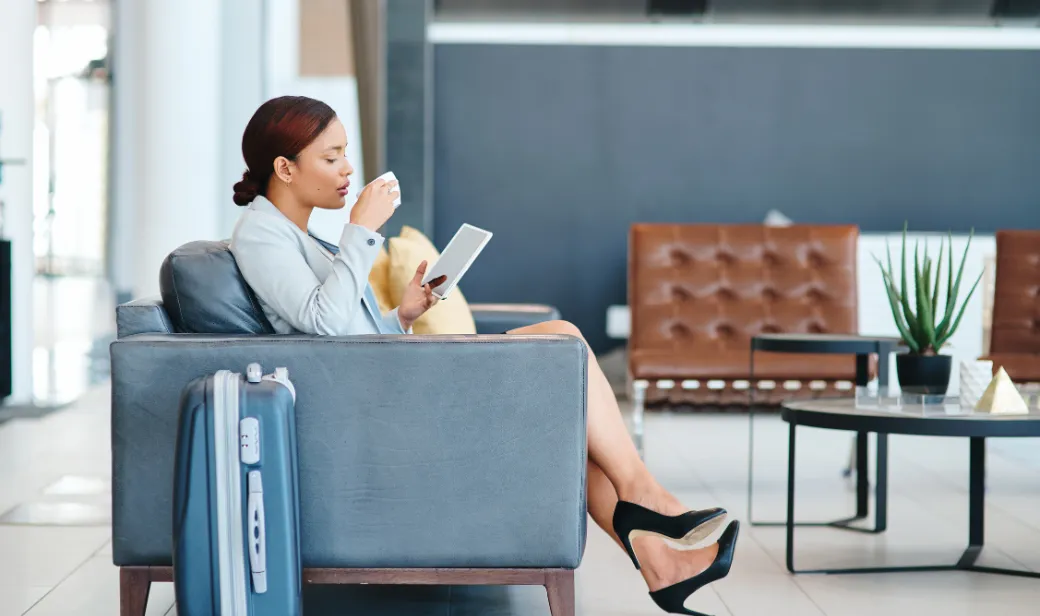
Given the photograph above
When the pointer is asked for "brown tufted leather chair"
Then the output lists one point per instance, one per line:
(698, 292)
(1015, 333)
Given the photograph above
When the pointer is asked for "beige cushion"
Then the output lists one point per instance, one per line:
(449, 316)
(379, 278)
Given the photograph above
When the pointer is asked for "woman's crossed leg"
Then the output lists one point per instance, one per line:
(616, 472)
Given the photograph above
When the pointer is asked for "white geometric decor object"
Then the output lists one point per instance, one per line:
(975, 375)
(1001, 397)
(776, 218)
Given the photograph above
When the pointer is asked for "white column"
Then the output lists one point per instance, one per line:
(242, 91)
(167, 137)
(180, 200)
(17, 23)
(125, 172)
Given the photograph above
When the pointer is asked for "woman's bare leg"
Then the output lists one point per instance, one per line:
(602, 499)
(610, 445)
(615, 471)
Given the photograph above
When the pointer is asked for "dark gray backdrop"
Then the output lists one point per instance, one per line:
(558, 149)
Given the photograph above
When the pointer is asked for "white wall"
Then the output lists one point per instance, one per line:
(875, 316)
(17, 24)
(241, 91)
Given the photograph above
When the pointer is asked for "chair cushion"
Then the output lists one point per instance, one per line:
(204, 293)
(379, 278)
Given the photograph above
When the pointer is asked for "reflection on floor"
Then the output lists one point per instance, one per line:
(58, 465)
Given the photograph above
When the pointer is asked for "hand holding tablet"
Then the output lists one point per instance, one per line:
(458, 255)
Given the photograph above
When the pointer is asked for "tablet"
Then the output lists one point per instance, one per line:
(456, 258)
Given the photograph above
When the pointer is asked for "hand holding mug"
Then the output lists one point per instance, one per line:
(375, 205)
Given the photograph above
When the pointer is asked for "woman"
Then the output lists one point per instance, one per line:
(295, 152)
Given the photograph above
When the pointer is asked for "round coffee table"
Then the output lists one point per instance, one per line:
(914, 415)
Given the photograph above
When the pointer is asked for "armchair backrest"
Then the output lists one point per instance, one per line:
(698, 292)
(1016, 296)
(203, 292)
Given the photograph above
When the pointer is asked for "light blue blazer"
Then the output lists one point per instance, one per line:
(302, 287)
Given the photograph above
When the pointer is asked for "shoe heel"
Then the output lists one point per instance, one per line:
(623, 518)
(626, 540)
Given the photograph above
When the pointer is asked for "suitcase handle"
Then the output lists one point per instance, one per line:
(281, 375)
(257, 533)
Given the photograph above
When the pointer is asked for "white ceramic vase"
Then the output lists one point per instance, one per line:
(974, 378)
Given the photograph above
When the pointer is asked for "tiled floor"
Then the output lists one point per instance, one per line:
(48, 570)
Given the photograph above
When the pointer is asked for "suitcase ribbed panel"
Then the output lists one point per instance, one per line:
(229, 494)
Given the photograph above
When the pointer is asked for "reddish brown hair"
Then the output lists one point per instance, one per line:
(282, 126)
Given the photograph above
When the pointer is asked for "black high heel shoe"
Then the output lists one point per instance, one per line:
(671, 598)
(632, 520)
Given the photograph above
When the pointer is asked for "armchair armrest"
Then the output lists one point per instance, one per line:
(498, 318)
(415, 451)
(142, 316)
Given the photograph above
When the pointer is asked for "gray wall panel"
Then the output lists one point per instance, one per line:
(408, 113)
(559, 149)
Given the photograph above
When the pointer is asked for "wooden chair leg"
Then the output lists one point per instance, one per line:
(559, 585)
(134, 585)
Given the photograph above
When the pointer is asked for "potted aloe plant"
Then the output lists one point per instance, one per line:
(926, 314)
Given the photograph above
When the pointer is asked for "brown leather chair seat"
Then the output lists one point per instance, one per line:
(733, 364)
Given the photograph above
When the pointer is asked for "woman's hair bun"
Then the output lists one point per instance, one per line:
(246, 190)
(282, 126)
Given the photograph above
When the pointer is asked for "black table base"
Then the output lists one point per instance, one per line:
(976, 516)
(862, 348)
(862, 492)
